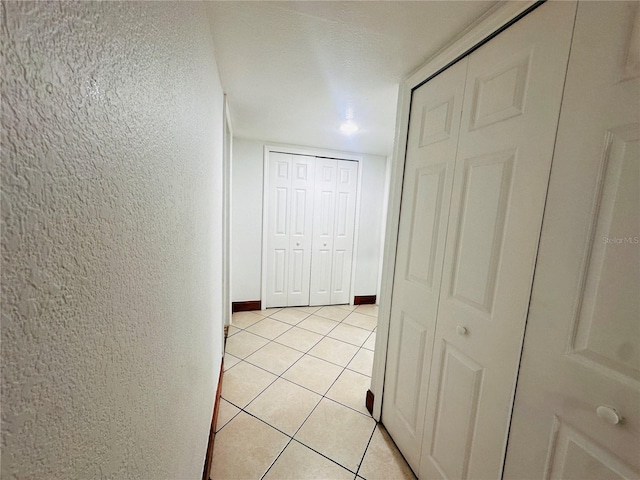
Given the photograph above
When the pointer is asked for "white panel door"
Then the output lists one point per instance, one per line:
(581, 356)
(289, 225)
(301, 225)
(510, 113)
(323, 231)
(344, 226)
(279, 207)
(429, 167)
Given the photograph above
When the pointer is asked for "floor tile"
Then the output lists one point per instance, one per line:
(284, 405)
(349, 334)
(351, 308)
(318, 324)
(233, 330)
(337, 432)
(361, 320)
(298, 462)
(290, 316)
(299, 339)
(313, 373)
(230, 361)
(308, 309)
(350, 389)
(245, 448)
(269, 328)
(266, 312)
(370, 344)
(368, 309)
(362, 362)
(274, 357)
(383, 460)
(333, 313)
(245, 319)
(243, 344)
(244, 382)
(334, 351)
(226, 412)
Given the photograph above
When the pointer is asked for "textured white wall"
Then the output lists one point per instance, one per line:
(111, 213)
(371, 220)
(248, 164)
(247, 168)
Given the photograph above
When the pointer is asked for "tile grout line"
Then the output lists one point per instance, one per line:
(296, 326)
(288, 368)
(323, 396)
(367, 448)
(292, 437)
(297, 384)
(306, 352)
(344, 367)
(277, 457)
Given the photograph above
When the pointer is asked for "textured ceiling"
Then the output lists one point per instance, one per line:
(293, 70)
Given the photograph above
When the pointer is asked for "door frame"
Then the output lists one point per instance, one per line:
(312, 152)
(494, 21)
(227, 165)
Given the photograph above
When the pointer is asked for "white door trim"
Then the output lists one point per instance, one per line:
(494, 21)
(226, 212)
(356, 230)
(314, 152)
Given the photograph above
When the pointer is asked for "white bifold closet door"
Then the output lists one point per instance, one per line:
(289, 227)
(577, 409)
(311, 205)
(333, 231)
(428, 178)
(471, 214)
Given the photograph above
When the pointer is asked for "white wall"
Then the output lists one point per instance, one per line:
(383, 226)
(246, 217)
(371, 222)
(111, 220)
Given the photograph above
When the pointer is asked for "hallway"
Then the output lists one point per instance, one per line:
(293, 397)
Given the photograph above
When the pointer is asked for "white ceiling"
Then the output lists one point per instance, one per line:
(292, 70)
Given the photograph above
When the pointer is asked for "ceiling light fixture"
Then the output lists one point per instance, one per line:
(349, 127)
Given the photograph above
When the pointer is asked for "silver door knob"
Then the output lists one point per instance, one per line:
(297, 244)
(609, 414)
(461, 330)
(324, 244)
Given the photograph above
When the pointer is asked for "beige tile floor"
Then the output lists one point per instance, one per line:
(293, 395)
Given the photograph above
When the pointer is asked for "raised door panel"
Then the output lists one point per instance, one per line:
(278, 276)
(583, 329)
(573, 456)
(407, 379)
(485, 191)
(425, 223)
(511, 104)
(431, 152)
(610, 288)
(278, 229)
(458, 397)
(499, 94)
(322, 275)
(344, 227)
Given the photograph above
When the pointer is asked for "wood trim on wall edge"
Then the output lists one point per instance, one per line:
(206, 473)
(368, 402)
(245, 306)
(364, 300)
